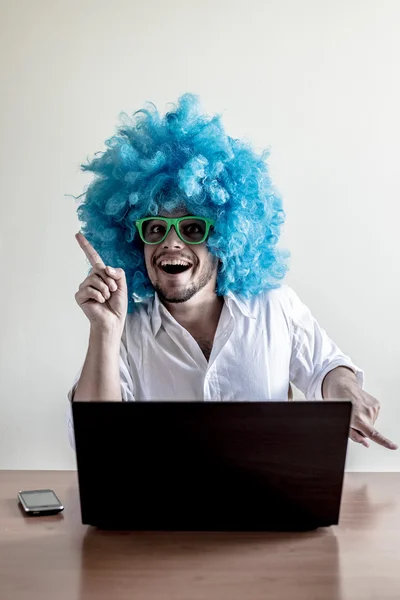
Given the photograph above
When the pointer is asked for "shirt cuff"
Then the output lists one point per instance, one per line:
(70, 427)
(315, 391)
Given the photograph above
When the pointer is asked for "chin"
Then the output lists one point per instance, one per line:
(177, 295)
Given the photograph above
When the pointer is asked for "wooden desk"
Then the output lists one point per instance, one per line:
(57, 558)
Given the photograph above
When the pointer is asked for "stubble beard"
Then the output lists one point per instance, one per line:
(192, 289)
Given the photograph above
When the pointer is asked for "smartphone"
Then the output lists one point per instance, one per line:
(40, 502)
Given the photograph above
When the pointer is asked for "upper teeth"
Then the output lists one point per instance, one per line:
(174, 261)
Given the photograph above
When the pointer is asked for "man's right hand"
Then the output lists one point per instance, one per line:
(103, 295)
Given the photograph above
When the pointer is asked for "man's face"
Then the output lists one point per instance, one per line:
(197, 265)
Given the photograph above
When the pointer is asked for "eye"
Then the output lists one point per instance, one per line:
(192, 229)
(157, 229)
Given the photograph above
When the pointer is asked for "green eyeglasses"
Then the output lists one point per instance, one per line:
(191, 230)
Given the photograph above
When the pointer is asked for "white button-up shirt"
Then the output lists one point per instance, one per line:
(260, 346)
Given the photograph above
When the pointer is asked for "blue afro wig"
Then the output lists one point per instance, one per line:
(155, 164)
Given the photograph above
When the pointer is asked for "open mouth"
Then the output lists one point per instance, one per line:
(174, 267)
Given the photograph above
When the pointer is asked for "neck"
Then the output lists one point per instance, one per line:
(200, 312)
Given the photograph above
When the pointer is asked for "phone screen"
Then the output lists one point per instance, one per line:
(38, 498)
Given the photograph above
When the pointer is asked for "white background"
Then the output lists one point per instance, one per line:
(315, 80)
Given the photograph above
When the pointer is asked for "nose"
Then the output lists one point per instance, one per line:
(172, 240)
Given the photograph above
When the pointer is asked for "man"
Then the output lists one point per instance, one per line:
(194, 309)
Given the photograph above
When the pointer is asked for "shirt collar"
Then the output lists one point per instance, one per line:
(157, 311)
(154, 312)
(241, 303)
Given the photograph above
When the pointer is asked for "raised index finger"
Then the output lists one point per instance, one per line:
(93, 256)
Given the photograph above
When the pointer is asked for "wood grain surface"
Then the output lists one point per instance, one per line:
(57, 558)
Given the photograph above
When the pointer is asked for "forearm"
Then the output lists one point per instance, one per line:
(338, 383)
(100, 378)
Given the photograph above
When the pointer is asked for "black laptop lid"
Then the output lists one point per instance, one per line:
(211, 465)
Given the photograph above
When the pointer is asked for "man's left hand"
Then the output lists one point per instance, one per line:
(341, 383)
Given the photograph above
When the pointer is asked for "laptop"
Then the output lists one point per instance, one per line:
(211, 466)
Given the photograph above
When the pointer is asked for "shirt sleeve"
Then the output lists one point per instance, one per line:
(313, 353)
(127, 387)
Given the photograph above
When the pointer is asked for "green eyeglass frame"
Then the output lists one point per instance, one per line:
(176, 223)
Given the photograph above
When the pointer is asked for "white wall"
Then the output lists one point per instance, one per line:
(316, 80)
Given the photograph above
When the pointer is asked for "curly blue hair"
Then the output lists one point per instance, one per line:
(156, 163)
